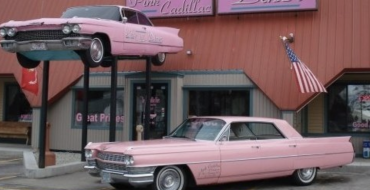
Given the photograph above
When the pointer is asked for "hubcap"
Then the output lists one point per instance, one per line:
(306, 174)
(169, 180)
(96, 50)
(161, 57)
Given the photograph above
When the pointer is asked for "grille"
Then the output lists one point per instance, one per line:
(119, 158)
(110, 166)
(40, 35)
(111, 157)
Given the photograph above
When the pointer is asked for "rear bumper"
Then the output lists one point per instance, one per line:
(71, 43)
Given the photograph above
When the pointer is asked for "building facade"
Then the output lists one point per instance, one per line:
(233, 63)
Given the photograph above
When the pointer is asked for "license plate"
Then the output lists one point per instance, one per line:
(105, 177)
(38, 46)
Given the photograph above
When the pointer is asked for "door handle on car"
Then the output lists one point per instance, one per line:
(257, 147)
(293, 145)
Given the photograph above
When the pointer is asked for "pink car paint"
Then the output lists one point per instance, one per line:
(273, 149)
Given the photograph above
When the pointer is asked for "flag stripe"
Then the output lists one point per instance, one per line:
(306, 80)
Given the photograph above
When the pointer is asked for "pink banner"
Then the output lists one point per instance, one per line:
(173, 8)
(247, 6)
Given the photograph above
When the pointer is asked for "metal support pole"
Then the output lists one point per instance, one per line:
(113, 101)
(43, 114)
(85, 108)
(147, 99)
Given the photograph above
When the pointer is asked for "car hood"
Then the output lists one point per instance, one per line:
(52, 21)
(153, 146)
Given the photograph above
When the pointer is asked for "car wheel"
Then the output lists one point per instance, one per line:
(120, 185)
(159, 59)
(304, 176)
(27, 63)
(93, 57)
(170, 178)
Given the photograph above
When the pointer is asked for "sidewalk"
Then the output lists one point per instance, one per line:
(65, 162)
(70, 163)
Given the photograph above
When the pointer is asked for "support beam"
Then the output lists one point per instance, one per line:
(85, 108)
(113, 101)
(147, 99)
(43, 114)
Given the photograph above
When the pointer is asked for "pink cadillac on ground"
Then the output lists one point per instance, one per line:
(93, 34)
(213, 150)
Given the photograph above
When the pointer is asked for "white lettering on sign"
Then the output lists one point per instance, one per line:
(190, 7)
(99, 118)
(360, 125)
(260, 1)
(146, 3)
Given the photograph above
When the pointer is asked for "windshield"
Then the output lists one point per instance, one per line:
(102, 12)
(199, 129)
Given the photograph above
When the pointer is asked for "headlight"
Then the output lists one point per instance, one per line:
(129, 160)
(66, 29)
(3, 32)
(89, 153)
(76, 28)
(11, 32)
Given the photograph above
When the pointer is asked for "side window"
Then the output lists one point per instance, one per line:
(131, 16)
(253, 131)
(241, 131)
(143, 20)
(265, 131)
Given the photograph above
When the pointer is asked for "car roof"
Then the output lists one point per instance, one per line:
(230, 119)
(119, 6)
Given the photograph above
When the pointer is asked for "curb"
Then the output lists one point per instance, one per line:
(32, 170)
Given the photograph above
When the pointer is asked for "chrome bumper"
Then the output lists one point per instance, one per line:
(72, 43)
(135, 179)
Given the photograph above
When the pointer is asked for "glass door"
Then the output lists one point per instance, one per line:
(158, 109)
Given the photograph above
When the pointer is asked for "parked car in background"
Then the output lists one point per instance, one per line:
(93, 34)
(214, 150)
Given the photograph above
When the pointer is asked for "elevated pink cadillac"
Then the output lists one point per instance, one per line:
(93, 34)
(213, 150)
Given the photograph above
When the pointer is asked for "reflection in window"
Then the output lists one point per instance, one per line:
(349, 108)
(199, 129)
(98, 108)
(218, 102)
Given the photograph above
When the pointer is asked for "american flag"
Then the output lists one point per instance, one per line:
(307, 81)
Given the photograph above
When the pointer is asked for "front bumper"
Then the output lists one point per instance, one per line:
(136, 177)
(70, 43)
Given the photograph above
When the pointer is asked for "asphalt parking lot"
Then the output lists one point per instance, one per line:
(12, 178)
(352, 177)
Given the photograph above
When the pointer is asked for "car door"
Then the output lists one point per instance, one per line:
(275, 152)
(254, 151)
(239, 157)
(135, 35)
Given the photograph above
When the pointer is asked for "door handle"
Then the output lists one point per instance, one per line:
(293, 145)
(257, 147)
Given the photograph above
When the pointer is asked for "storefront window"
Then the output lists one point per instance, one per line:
(17, 107)
(349, 108)
(219, 102)
(98, 109)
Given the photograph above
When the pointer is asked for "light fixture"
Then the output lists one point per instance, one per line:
(189, 52)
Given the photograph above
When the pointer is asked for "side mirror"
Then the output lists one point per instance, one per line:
(124, 19)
